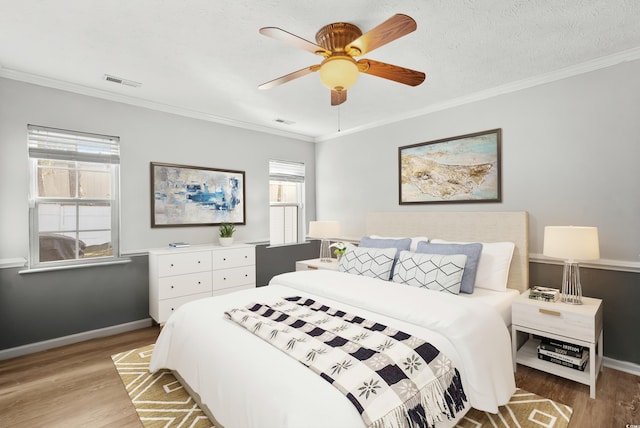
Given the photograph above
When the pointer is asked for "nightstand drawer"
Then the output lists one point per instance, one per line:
(558, 318)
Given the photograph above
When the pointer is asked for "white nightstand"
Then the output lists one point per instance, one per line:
(313, 264)
(576, 324)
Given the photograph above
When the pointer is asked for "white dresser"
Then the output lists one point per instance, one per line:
(180, 275)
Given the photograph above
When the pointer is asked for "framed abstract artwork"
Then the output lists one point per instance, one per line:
(196, 196)
(460, 169)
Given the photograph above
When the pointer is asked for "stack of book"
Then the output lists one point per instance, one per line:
(543, 293)
(563, 353)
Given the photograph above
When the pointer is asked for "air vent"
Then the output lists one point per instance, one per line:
(284, 121)
(121, 81)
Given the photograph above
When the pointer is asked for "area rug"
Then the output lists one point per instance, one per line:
(161, 401)
(159, 398)
(525, 409)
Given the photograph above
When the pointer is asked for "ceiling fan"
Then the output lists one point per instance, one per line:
(339, 43)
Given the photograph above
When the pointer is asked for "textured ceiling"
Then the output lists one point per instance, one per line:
(205, 58)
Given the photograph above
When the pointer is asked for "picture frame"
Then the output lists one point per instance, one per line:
(461, 169)
(183, 195)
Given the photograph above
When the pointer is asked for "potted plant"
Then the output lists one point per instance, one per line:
(226, 233)
(339, 249)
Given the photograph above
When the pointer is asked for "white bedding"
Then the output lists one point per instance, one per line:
(499, 300)
(218, 358)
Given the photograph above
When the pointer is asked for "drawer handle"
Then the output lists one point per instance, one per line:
(548, 312)
(199, 283)
(224, 279)
(224, 258)
(171, 264)
(198, 261)
(312, 268)
(172, 286)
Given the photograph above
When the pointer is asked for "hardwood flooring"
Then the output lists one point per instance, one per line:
(78, 386)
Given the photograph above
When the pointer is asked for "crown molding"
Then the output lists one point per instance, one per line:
(575, 70)
(585, 67)
(139, 102)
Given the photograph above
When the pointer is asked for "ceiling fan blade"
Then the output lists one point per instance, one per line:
(338, 97)
(289, 77)
(391, 72)
(293, 40)
(393, 28)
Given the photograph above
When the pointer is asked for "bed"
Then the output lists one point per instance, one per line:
(243, 381)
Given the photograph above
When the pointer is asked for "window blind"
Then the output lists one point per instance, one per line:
(286, 171)
(61, 144)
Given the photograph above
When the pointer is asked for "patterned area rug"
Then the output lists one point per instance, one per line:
(525, 409)
(161, 401)
(159, 398)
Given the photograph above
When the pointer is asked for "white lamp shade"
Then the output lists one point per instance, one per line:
(324, 229)
(571, 242)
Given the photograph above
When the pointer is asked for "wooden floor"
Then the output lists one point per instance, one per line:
(78, 386)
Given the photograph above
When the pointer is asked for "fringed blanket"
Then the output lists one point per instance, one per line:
(392, 378)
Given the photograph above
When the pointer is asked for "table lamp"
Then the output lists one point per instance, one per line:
(571, 243)
(324, 230)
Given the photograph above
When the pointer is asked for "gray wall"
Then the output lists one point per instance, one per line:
(145, 136)
(48, 305)
(570, 153)
(36, 307)
(570, 150)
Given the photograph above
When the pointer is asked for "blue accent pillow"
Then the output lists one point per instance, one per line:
(402, 244)
(472, 251)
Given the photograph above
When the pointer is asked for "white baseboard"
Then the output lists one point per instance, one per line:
(74, 338)
(623, 366)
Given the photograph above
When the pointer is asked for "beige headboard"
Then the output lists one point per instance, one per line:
(463, 226)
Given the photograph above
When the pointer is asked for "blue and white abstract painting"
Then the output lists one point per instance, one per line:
(196, 196)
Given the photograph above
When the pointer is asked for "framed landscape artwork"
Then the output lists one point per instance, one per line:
(452, 170)
(195, 196)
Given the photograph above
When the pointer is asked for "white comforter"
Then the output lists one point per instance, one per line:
(246, 382)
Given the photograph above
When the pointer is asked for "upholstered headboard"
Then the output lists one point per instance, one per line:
(463, 226)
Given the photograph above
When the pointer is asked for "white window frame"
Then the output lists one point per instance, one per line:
(65, 145)
(293, 172)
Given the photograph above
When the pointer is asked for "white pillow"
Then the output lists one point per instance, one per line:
(493, 267)
(414, 241)
(438, 272)
(372, 262)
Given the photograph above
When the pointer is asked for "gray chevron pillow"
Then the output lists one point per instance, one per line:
(437, 272)
(372, 262)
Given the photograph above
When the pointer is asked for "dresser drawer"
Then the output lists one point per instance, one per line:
(558, 318)
(169, 306)
(226, 278)
(183, 285)
(181, 263)
(235, 257)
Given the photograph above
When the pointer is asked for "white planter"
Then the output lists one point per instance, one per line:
(225, 242)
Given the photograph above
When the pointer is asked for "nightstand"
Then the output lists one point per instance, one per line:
(576, 324)
(313, 264)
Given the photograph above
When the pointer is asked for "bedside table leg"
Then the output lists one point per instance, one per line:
(514, 346)
(593, 370)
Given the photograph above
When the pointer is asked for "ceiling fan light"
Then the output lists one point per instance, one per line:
(338, 73)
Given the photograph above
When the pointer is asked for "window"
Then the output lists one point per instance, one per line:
(74, 197)
(286, 196)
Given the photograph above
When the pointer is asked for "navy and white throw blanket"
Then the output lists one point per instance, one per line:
(394, 379)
